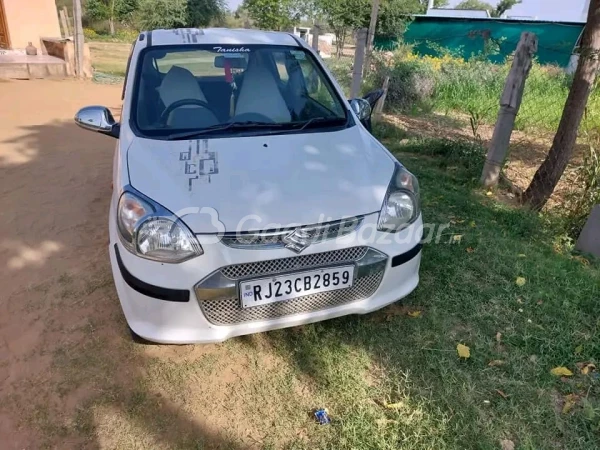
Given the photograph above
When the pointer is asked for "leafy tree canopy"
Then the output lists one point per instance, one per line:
(109, 9)
(504, 6)
(154, 14)
(475, 4)
(498, 11)
(273, 14)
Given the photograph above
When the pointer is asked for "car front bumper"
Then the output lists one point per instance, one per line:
(194, 302)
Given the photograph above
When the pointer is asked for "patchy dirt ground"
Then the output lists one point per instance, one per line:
(527, 151)
(69, 374)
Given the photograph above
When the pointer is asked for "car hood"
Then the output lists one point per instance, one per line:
(263, 182)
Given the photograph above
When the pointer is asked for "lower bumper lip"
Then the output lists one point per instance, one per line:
(150, 290)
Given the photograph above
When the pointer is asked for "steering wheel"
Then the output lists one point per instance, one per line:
(183, 102)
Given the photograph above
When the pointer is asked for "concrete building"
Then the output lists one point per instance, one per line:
(24, 21)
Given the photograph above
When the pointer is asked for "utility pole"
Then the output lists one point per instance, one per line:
(359, 59)
(371, 35)
(78, 37)
(372, 25)
(315, 37)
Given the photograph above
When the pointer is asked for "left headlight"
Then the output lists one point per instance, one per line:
(401, 205)
(149, 230)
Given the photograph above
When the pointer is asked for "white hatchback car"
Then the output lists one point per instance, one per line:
(249, 194)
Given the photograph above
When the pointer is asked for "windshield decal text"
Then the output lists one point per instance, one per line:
(231, 49)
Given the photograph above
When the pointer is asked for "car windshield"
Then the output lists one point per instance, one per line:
(182, 90)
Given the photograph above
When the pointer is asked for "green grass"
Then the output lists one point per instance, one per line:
(474, 88)
(468, 294)
(110, 57)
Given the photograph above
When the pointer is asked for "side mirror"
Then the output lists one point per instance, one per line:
(362, 109)
(99, 119)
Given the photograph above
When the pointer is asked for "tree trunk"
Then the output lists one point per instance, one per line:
(111, 26)
(547, 176)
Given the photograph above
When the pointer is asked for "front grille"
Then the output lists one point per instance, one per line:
(229, 312)
(273, 266)
(218, 294)
(275, 239)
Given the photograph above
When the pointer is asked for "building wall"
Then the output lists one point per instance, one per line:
(29, 20)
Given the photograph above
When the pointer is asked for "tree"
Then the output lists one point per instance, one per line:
(476, 5)
(504, 6)
(154, 14)
(162, 14)
(394, 16)
(561, 152)
(345, 15)
(436, 4)
(273, 14)
(201, 13)
(111, 10)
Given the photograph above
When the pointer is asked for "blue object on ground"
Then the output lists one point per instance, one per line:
(322, 416)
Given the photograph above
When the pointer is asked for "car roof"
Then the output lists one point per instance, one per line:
(223, 36)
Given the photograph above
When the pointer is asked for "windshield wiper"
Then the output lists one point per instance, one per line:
(321, 122)
(222, 127)
(249, 125)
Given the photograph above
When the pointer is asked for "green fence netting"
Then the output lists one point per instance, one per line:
(496, 37)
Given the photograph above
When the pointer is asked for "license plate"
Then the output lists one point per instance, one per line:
(276, 289)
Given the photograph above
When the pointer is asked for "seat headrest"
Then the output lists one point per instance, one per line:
(260, 93)
(178, 84)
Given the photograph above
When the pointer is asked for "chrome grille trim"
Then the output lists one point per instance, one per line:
(218, 294)
(274, 239)
(229, 311)
(282, 265)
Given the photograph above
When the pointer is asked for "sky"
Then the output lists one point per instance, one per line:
(564, 10)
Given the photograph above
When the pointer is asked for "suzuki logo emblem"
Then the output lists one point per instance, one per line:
(298, 240)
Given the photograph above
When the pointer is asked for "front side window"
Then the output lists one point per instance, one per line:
(182, 90)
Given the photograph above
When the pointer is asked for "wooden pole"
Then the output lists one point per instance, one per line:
(510, 102)
(69, 25)
(371, 35)
(315, 38)
(63, 22)
(379, 106)
(359, 59)
(78, 38)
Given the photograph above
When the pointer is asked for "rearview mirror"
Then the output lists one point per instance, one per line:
(99, 119)
(362, 109)
(235, 62)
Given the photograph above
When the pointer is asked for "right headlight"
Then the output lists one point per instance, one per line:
(149, 230)
(401, 205)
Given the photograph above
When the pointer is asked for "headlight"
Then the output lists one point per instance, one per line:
(401, 205)
(151, 231)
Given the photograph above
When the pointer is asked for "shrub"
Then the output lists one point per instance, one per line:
(342, 71)
(412, 82)
(89, 34)
(154, 14)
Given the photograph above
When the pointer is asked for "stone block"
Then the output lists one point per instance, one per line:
(589, 239)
